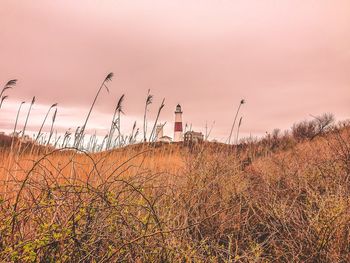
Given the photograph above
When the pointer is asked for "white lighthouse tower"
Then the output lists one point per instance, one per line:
(178, 132)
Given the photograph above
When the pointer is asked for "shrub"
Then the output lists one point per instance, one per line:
(310, 129)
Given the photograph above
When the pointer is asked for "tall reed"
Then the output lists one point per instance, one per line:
(239, 126)
(66, 139)
(43, 123)
(133, 134)
(15, 127)
(108, 78)
(149, 99)
(234, 121)
(155, 122)
(26, 121)
(2, 100)
(51, 128)
(115, 123)
(210, 130)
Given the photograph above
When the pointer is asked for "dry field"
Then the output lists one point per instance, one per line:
(276, 200)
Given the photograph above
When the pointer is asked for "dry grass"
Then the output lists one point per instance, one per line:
(171, 203)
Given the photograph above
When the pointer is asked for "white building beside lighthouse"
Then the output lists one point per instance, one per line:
(160, 137)
(178, 131)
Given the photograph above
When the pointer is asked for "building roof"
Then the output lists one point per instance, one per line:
(193, 133)
(165, 139)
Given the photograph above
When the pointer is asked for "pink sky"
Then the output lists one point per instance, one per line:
(288, 59)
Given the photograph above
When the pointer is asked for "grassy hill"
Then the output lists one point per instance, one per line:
(281, 199)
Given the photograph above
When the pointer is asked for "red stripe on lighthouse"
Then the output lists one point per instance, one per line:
(178, 126)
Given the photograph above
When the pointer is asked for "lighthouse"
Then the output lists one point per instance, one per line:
(178, 136)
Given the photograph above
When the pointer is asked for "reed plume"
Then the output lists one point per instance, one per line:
(3, 90)
(9, 85)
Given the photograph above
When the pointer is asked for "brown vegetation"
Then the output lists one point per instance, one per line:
(284, 197)
(278, 199)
